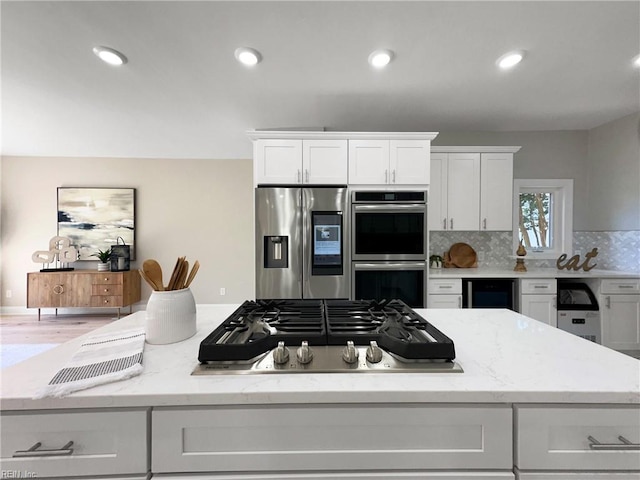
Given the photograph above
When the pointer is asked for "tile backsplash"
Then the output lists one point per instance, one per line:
(617, 250)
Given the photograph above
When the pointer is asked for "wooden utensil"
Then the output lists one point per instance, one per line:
(153, 271)
(192, 275)
(184, 269)
(148, 280)
(174, 274)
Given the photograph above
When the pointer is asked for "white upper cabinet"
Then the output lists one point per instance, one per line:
(454, 191)
(324, 162)
(339, 158)
(496, 191)
(389, 162)
(278, 161)
(471, 188)
(409, 162)
(369, 162)
(283, 161)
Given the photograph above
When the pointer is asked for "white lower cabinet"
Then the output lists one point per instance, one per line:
(538, 299)
(576, 439)
(332, 438)
(620, 313)
(444, 293)
(82, 443)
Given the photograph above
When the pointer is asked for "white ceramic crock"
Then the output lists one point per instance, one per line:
(170, 316)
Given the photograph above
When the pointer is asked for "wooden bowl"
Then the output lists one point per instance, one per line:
(463, 256)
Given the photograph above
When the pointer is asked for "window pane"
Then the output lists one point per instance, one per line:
(535, 230)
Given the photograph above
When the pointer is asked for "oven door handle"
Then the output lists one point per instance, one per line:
(391, 208)
(390, 266)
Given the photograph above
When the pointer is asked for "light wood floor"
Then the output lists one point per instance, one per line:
(50, 328)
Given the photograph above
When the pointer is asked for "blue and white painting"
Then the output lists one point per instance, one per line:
(94, 218)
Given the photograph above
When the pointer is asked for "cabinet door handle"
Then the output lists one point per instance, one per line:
(299, 176)
(444, 223)
(58, 289)
(459, 301)
(306, 175)
(386, 176)
(607, 302)
(393, 176)
(625, 445)
(555, 302)
(484, 223)
(54, 452)
(451, 223)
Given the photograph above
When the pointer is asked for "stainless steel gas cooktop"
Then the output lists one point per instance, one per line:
(325, 336)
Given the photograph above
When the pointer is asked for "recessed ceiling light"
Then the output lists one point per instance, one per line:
(110, 56)
(248, 56)
(510, 60)
(380, 58)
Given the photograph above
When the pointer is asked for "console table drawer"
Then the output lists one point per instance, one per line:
(107, 289)
(103, 443)
(577, 438)
(343, 438)
(106, 301)
(107, 278)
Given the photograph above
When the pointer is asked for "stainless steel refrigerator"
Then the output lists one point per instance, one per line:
(301, 235)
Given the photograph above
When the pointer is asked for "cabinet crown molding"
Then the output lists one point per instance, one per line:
(316, 135)
(467, 149)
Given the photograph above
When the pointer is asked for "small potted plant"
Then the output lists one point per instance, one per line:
(104, 256)
(435, 261)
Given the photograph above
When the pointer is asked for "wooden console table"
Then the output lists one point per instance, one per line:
(82, 288)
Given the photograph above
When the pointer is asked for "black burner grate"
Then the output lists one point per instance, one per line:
(257, 327)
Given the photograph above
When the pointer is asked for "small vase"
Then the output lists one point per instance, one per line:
(103, 267)
(170, 316)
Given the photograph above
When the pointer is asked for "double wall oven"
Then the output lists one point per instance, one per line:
(389, 246)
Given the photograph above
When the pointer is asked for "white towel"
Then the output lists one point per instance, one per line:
(101, 359)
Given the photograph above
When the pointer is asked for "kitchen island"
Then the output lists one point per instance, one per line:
(533, 401)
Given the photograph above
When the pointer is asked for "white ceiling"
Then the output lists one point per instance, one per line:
(183, 95)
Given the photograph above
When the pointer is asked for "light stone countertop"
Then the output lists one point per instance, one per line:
(506, 358)
(483, 272)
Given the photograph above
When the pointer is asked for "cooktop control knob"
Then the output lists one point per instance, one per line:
(281, 354)
(350, 353)
(304, 353)
(374, 354)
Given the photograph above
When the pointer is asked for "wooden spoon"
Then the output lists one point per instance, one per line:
(148, 280)
(192, 275)
(153, 271)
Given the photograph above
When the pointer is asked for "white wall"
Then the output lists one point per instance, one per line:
(198, 208)
(613, 188)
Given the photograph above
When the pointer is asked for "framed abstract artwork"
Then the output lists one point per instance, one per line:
(94, 218)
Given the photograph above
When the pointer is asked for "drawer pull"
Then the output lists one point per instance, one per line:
(54, 452)
(541, 286)
(58, 289)
(626, 286)
(445, 286)
(625, 445)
